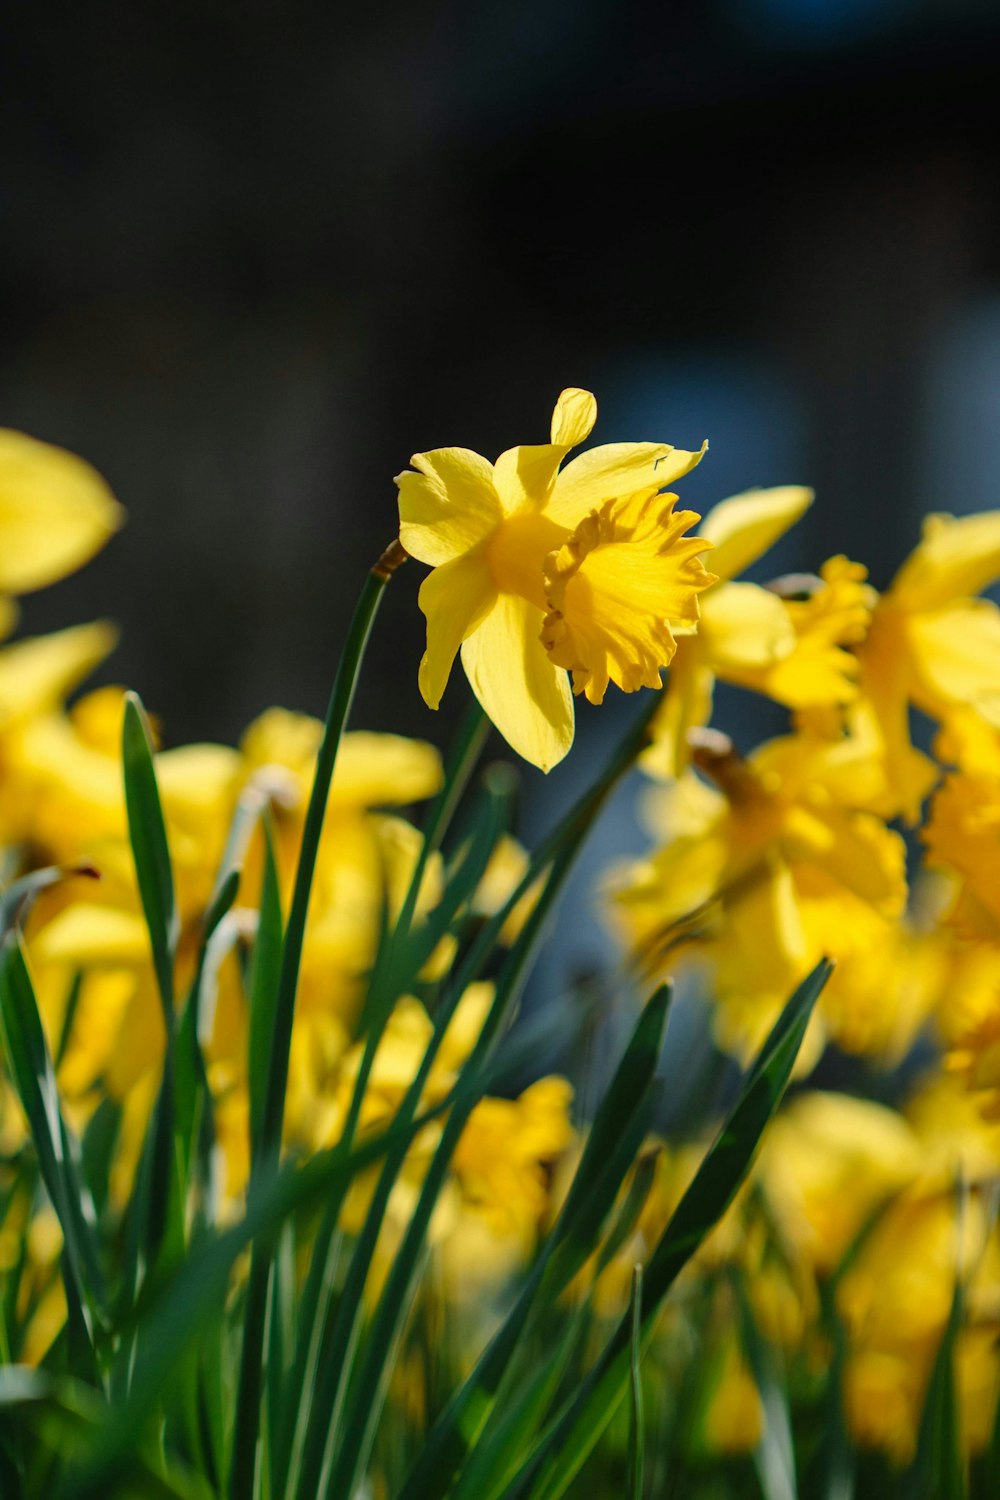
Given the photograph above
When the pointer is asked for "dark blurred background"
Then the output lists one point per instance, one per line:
(254, 255)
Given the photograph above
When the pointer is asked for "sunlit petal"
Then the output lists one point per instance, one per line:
(743, 527)
(456, 597)
(573, 417)
(448, 505)
(528, 699)
(955, 557)
(613, 471)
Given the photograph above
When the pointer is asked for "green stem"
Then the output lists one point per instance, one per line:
(382, 994)
(342, 1467)
(242, 1479)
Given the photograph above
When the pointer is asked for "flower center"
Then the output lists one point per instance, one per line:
(517, 551)
(613, 590)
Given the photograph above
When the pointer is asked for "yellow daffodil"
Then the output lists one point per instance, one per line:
(540, 571)
(787, 648)
(933, 645)
(503, 1168)
(733, 1421)
(963, 834)
(895, 1300)
(55, 513)
(827, 1162)
(36, 674)
(786, 873)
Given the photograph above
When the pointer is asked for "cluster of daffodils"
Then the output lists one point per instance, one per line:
(862, 1222)
(766, 860)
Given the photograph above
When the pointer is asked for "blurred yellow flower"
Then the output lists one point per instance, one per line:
(933, 645)
(540, 571)
(963, 834)
(827, 1162)
(775, 870)
(734, 1419)
(788, 648)
(55, 513)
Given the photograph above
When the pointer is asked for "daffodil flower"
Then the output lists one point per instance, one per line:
(541, 571)
(55, 513)
(786, 648)
(779, 871)
(934, 644)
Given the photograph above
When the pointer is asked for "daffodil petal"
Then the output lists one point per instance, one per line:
(523, 476)
(614, 588)
(955, 655)
(528, 699)
(573, 417)
(956, 557)
(448, 505)
(455, 598)
(384, 768)
(85, 934)
(745, 526)
(37, 673)
(197, 782)
(55, 513)
(856, 850)
(613, 471)
(686, 705)
(743, 625)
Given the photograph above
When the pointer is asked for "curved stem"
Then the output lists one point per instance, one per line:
(243, 1473)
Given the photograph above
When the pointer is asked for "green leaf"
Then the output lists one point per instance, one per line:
(265, 972)
(193, 1298)
(938, 1471)
(242, 1479)
(556, 855)
(65, 1413)
(383, 987)
(17, 899)
(56, 1147)
(615, 1137)
(412, 950)
(333, 1369)
(316, 1303)
(148, 836)
(526, 1394)
(563, 1449)
(775, 1455)
(637, 1427)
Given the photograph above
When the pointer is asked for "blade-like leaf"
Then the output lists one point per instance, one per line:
(339, 1339)
(64, 1412)
(775, 1455)
(57, 1150)
(939, 1470)
(196, 1292)
(148, 837)
(17, 898)
(263, 990)
(315, 1304)
(557, 854)
(637, 1426)
(609, 1152)
(571, 1437)
(242, 1478)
